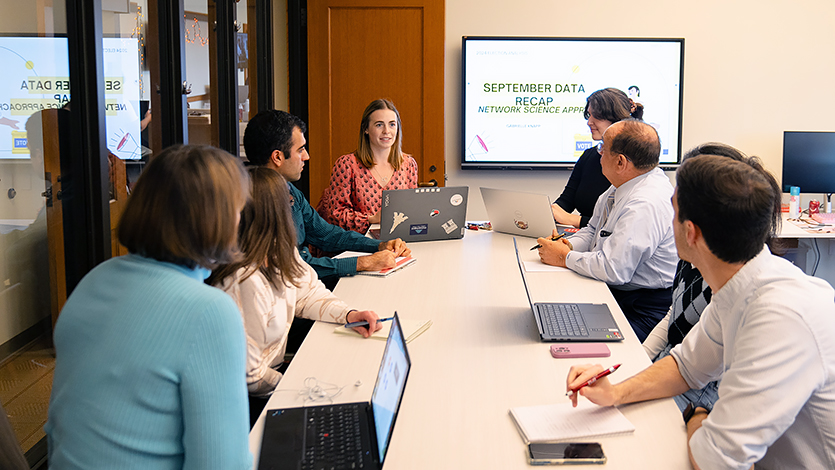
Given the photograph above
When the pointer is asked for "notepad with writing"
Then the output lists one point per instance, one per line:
(559, 422)
(400, 263)
(411, 329)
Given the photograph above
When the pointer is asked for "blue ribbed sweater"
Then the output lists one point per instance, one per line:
(150, 372)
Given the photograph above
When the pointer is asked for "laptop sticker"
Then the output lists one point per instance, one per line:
(520, 221)
(449, 226)
(434, 212)
(418, 229)
(399, 218)
(456, 199)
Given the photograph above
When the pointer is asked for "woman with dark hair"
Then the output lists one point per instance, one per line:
(271, 285)
(353, 198)
(603, 108)
(150, 360)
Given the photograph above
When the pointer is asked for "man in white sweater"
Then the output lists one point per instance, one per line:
(765, 333)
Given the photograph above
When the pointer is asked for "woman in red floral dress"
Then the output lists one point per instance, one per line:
(352, 199)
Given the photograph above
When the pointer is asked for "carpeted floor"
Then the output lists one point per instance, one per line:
(25, 385)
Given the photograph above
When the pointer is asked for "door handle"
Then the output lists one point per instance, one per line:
(48, 193)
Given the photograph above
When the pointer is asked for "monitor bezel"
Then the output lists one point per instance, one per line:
(527, 166)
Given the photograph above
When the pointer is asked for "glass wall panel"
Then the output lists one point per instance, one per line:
(127, 90)
(34, 86)
(245, 67)
(198, 53)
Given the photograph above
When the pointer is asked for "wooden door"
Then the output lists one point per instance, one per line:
(358, 51)
(51, 132)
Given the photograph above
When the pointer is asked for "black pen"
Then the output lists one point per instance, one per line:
(553, 239)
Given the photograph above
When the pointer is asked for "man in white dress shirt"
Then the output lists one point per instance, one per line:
(766, 332)
(628, 242)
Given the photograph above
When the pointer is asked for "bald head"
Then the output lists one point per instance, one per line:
(637, 140)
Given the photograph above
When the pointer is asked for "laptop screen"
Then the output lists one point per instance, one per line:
(391, 381)
(522, 268)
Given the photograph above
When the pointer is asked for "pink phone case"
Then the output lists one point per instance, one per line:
(580, 350)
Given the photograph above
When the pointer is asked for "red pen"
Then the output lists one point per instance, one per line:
(593, 379)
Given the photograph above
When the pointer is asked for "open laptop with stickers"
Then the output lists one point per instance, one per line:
(424, 214)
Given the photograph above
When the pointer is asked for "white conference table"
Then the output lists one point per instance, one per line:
(481, 357)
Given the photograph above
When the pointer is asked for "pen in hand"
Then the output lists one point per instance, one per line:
(553, 239)
(365, 323)
(593, 380)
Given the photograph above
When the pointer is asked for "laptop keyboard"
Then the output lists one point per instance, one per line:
(562, 320)
(334, 438)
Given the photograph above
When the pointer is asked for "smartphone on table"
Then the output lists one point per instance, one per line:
(566, 453)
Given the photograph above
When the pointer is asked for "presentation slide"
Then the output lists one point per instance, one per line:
(524, 97)
(36, 77)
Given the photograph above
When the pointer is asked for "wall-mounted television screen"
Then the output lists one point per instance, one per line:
(524, 97)
(36, 77)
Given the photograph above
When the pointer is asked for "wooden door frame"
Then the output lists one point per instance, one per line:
(319, 97)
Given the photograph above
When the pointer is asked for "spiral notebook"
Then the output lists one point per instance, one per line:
(400, 263)
(560, 422)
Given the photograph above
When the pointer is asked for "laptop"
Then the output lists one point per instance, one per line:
(302, 438)
(520, 213)
(559, 322)
(423, 214)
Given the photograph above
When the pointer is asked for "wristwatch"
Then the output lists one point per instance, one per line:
(690, 410)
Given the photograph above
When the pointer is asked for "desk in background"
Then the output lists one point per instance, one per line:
(814, 253)
(481, 357)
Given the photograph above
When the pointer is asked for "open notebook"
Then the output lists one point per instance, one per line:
(411, 329)
(559, 422)
(400, 263)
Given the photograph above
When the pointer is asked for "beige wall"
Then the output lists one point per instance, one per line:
(24, 17)
(752, 69)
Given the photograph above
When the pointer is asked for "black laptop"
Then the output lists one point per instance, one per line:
(344, 436)
(559, 321)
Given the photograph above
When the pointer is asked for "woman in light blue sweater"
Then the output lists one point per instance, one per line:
(150, 370)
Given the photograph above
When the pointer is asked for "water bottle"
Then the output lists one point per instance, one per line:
(794, 202)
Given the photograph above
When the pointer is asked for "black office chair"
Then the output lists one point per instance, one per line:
(11, 456)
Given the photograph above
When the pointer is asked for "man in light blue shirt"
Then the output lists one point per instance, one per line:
(629, 242)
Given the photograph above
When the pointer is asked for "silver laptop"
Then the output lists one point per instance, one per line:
(559, 321)
(349, 435)
(423, 214)
(519, 213)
